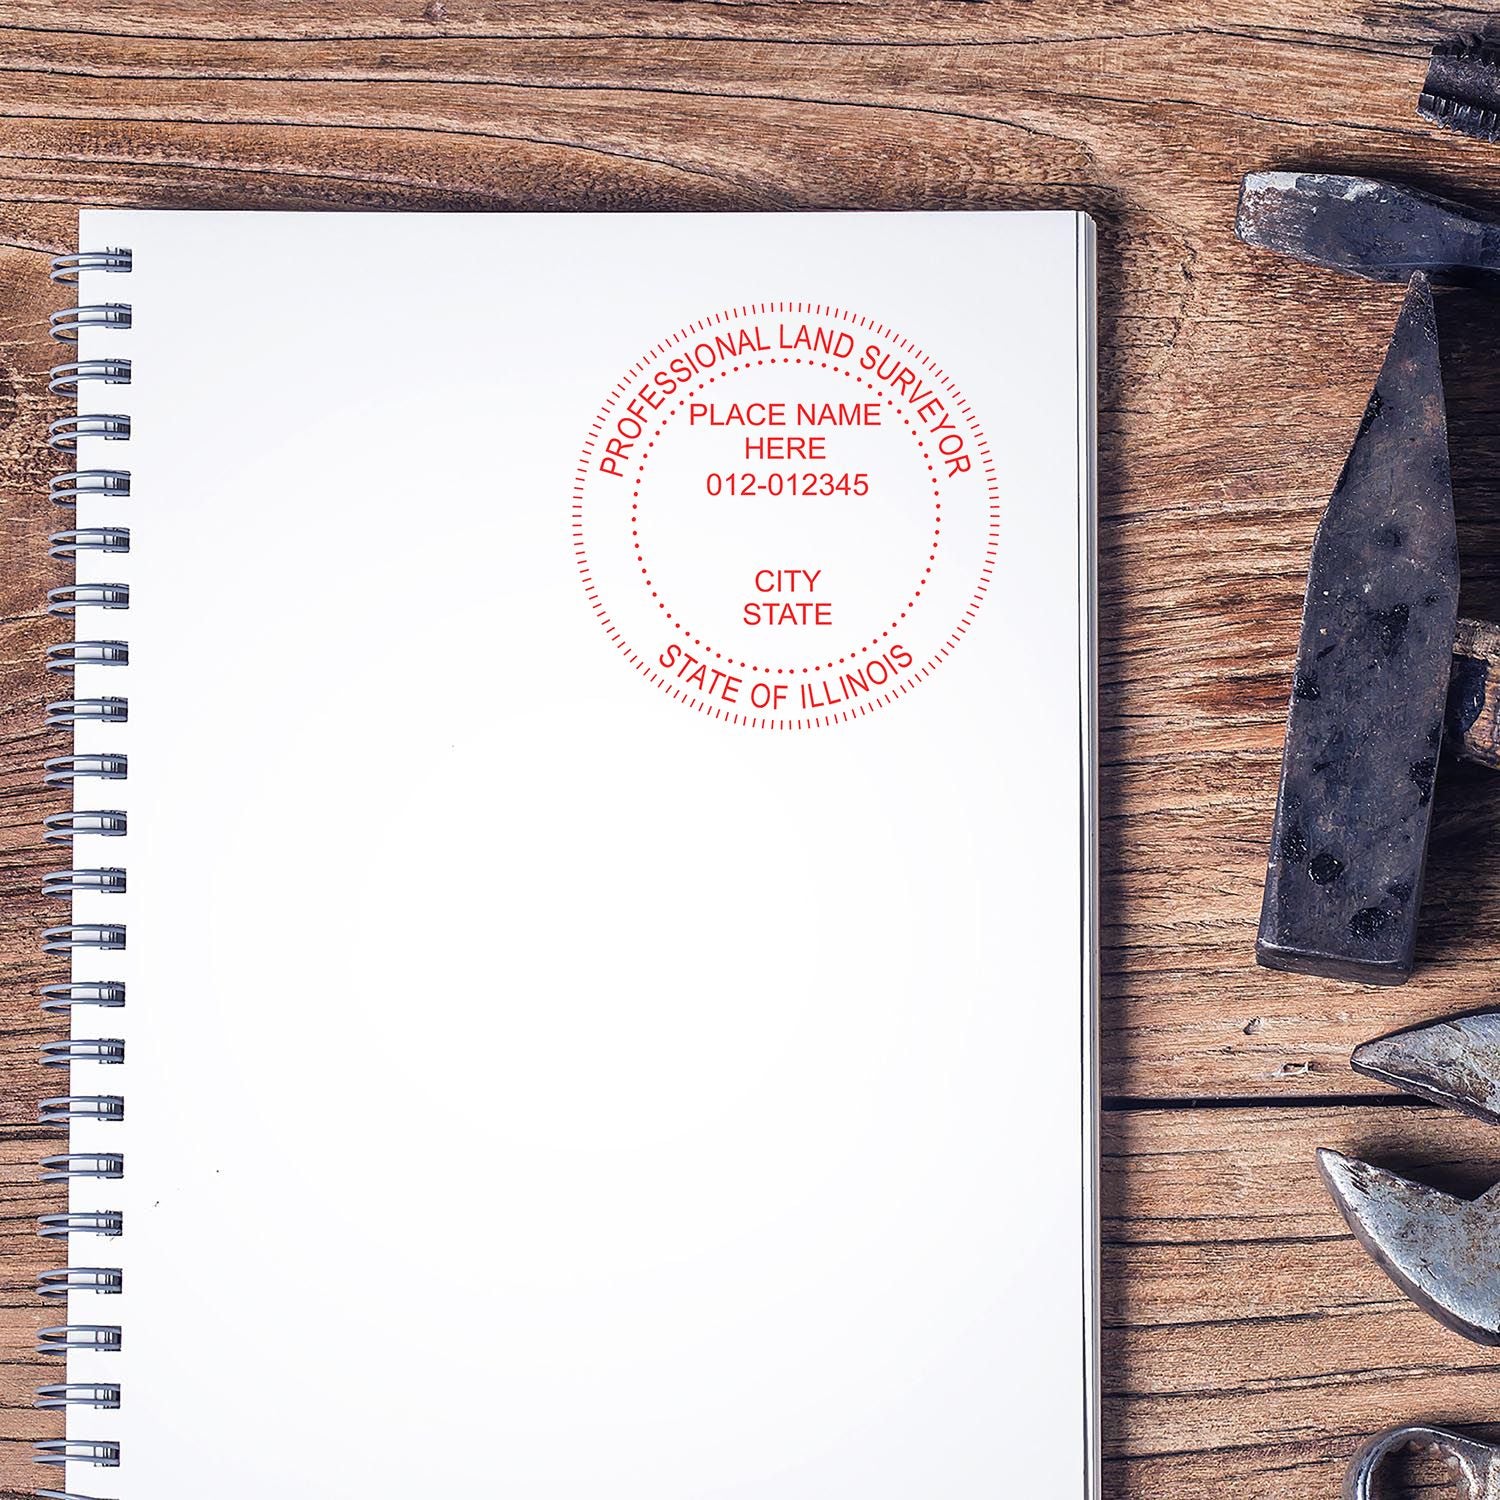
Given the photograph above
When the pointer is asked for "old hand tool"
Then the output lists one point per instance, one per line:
(1386, 675)
(1349, 842)
(1380, 230)
(1476, 1463)
(1462, 91)
(1442, 1251)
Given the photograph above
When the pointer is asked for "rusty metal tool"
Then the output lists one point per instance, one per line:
(1477, 1464)
(1462, 91)
(1378, 691)
(1380, 230)
(1442, 1251)
(1369, 694)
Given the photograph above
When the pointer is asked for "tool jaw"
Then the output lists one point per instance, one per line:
(1365, 722)
(1462, 88)
(1455, 1062)
(1440, 1250)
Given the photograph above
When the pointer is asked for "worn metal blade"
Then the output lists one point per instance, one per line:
(1380, 230)
(1454, 1062)
(1354, 808)
(1442, 1251)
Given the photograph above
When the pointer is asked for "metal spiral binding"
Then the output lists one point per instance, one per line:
(63, 546)
(64, 770)
(75, 770)
(63, 713)
(96, 1394)
(64, 489)
(65, 379)
(77, 1336)
(66, 655)
(65, 882)
(78, 1451)
(82, 1164)
(71, 597)
(58, 1283)
(92, 1049)
(65, 268)
(110, 1224)
(63, 828)
(66, 1108)
(71, 936)
(63, 434)
(108, 993)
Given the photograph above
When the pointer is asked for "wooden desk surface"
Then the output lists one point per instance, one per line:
(1249, 1344)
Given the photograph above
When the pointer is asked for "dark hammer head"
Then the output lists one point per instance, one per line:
(1349, 843)
(1380, 230)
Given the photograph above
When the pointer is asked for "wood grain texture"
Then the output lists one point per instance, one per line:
(1249, 1344)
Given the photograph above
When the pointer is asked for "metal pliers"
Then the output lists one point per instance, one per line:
(1442, 1251)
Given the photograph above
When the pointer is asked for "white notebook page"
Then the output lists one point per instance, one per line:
(587, 1037)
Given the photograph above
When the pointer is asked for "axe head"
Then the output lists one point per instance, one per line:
(1349, 842)
(1440, 1250)
(1380, 230)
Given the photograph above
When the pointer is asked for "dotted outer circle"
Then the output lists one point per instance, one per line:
(912, 675)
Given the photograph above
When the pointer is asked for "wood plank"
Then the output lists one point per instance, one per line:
(22, 1256)
(1249, 1343)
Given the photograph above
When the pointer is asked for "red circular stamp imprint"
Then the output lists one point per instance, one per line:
(786, 515)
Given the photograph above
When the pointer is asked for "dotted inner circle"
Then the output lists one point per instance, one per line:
(937, 522)
(786, 718)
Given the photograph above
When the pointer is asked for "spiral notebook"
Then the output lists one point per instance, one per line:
(581, 858)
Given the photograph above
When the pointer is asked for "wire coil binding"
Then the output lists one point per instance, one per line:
(63, 434)
(85, 881)
(63, 713)
(108, 993)
(65, 882)
(71, 936)
(64, 546)
(66, 1108)
(69, 598)
(62, 1054)
(110, 1224)
(78, 1451)
(66, 655)
(104, 1279)
(99, 1394)
(64, 770)
(82, 1164)
(68, 322)
(67, 1336)
(65, 379)
(66, 268)
(66, 489)
(63, 828)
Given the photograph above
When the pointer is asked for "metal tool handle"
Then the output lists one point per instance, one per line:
(1476, 1463)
